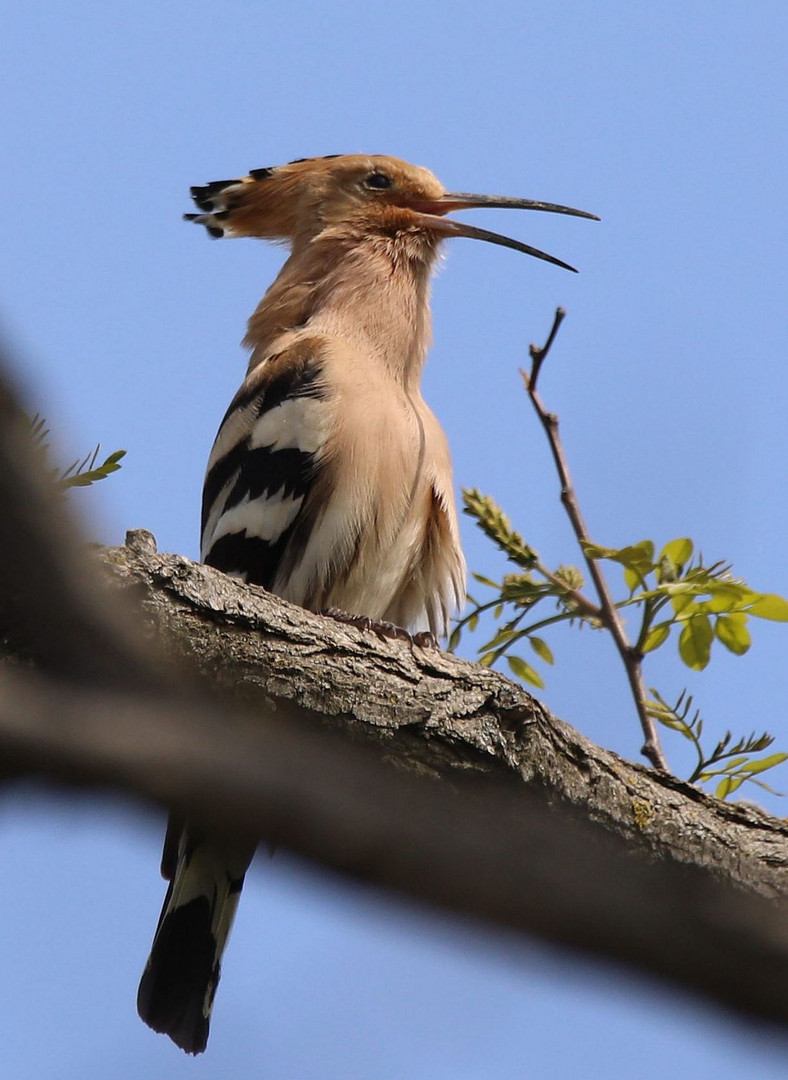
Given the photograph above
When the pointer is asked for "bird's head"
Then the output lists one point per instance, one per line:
(374, 194)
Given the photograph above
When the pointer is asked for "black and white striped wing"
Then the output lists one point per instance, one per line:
(268, 454)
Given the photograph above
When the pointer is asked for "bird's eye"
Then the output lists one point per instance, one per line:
(379, 181)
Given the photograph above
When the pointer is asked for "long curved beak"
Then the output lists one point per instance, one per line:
(429, 214)
(460, 200)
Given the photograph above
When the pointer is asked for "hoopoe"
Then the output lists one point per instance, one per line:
(329, 482)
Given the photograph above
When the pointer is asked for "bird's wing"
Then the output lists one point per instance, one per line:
(433, 588)
(331, 486)
(269, 456)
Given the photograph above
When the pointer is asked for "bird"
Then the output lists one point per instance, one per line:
(329, 482)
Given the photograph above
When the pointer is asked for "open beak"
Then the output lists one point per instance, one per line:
(429, 214)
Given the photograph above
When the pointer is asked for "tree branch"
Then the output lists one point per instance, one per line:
(435, 714)
(609, 614)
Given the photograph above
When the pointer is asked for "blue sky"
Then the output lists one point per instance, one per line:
(669, 376)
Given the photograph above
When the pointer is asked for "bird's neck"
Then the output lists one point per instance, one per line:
(369, 292)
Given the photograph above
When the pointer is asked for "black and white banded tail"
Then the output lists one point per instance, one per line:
(178, 985)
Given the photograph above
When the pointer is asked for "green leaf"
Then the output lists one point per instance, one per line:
(734, 763)
(680, 599)
(727, 786)
(486, 581)
(596, 551)
(524, 671)
(487, 659)
(656, 636)
(637, 560)
(454, 640)
(770, 606)
(87, 472)
(728, 596)
(678, 552)
(669, 719)
(680, 588)
(542, 649)
(732, 631)
(632, 579)
(502, 636)
(695, 642)
(638, 556)
(764, 763)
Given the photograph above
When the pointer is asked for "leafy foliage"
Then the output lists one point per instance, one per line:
(703, 602)
(671, 590)
(80, 473)
(518, 592)
(740, 767)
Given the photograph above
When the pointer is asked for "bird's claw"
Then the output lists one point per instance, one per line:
(383, 629)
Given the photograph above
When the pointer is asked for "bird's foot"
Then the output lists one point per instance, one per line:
(383, 629)
(362, 622)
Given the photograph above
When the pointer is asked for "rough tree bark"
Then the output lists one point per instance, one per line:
(437, 714)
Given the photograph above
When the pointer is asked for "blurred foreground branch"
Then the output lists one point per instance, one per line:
(242, 711)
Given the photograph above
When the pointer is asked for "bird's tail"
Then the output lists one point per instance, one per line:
(179, 982)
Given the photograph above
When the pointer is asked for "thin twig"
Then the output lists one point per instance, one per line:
(631, 658)
(539, 354)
